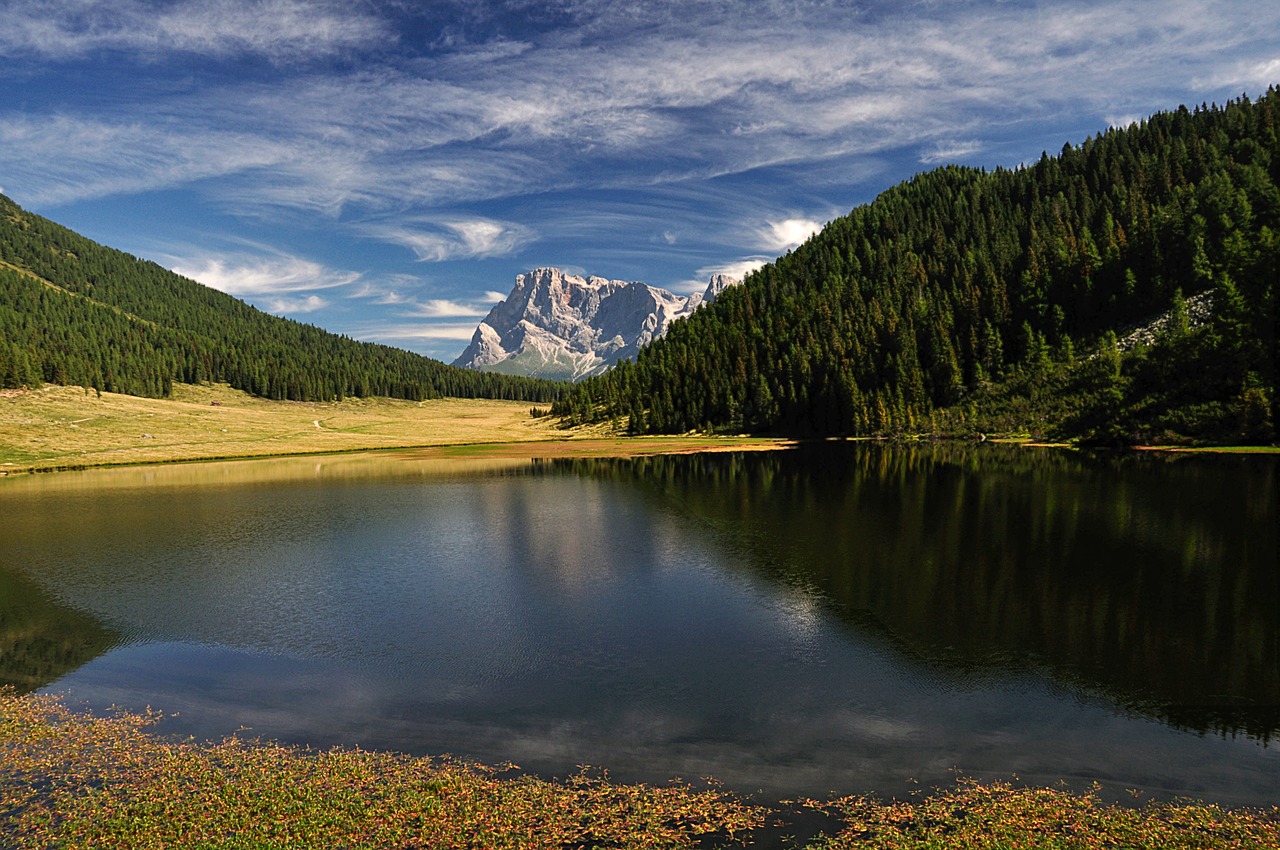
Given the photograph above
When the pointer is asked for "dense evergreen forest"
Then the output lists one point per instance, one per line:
(74, 312)
(965, 300)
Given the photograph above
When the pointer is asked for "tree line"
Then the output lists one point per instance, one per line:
(966, 298)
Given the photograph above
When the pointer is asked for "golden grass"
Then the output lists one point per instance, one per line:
(68, 428)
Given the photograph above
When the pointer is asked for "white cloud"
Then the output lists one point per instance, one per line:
(1122, 121)
(402, 294)
(66, 158)
(306, 304)
(459, 239)
(492, 296)
(387, 290)
(782, 236)
(1255, 75)
(950, 152)
(391, 332)
(736, 269)
(281, 30)
(264, 276)
(440, 308)
(440, 339)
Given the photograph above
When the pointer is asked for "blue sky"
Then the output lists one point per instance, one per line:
(384, 168)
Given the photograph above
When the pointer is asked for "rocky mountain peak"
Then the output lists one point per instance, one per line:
(564, 326)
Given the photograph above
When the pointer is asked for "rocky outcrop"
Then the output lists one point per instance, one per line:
(719, 283)
(1199, 310)
(566, 327)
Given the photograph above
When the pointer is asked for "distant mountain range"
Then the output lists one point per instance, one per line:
(566, 327)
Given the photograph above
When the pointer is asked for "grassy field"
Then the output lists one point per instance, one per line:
(67, 428)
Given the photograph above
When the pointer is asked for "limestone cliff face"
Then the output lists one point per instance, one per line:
(566, 327)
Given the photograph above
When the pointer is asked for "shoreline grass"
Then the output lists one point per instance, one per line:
(59, 428)
(72, 780)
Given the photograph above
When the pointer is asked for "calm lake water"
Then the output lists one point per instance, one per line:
(835, 618)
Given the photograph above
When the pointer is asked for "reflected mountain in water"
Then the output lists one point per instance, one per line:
(1147, 580)
(40, 640)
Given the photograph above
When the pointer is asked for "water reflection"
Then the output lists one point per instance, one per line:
(40, 640)
(399, 464)
(1149, 579)
(835, 618)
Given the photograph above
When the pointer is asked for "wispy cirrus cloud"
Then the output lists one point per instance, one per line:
(275, 276)
(443, 308)
(456, 239)
(608, 105)
(407, 297)
(92, 157)
(410, 333)
(1251, 74)
(281, 30)
(288, 306)
(947, 152)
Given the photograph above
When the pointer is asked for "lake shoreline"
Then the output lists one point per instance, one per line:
(616, 447)
(612, 447)
(65, 429)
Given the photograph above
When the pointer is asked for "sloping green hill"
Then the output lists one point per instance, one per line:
(75, 312)
(968, 300)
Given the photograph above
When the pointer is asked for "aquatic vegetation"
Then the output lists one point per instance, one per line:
(999, 816)
(71, 780)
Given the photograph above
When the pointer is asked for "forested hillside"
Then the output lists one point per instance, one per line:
(75, 312)
(968, 300)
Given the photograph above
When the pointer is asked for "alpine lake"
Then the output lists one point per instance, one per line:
(838, 617)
